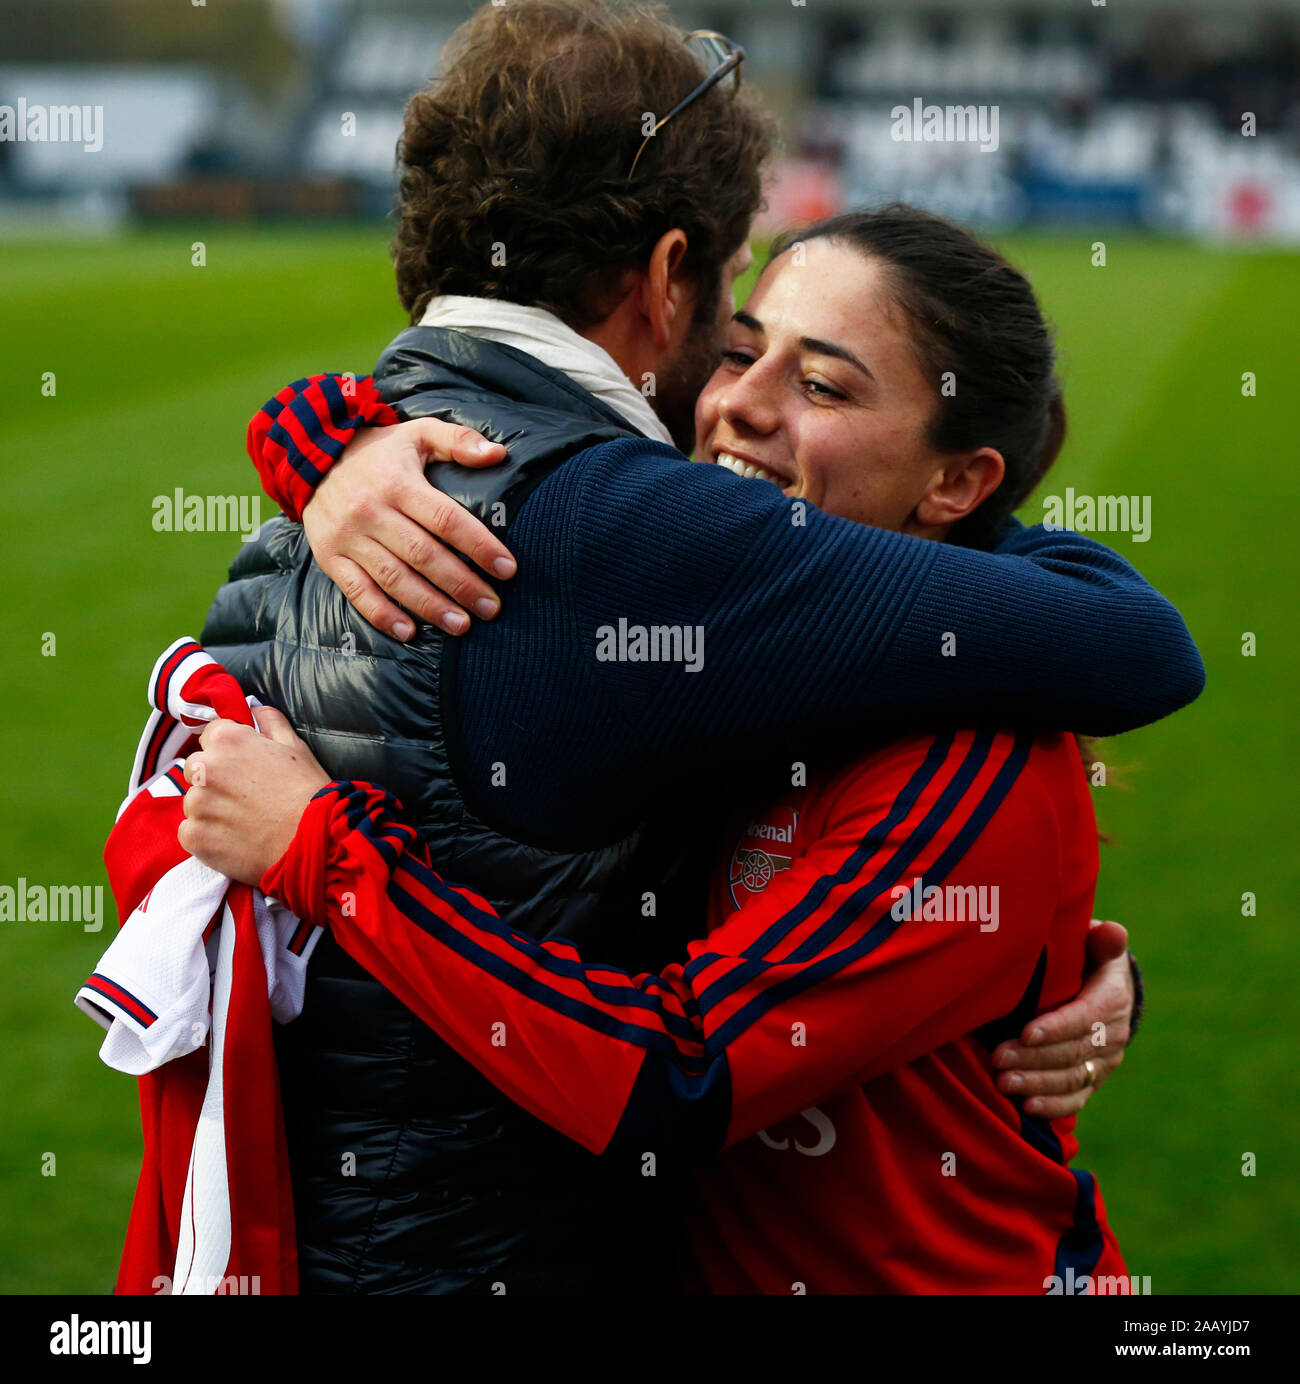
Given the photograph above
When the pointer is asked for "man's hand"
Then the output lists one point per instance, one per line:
(1048, 1064)
(376, 525)
(247, 794)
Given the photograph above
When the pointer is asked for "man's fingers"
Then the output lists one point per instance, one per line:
(367, 599)
(1106, 941)
(1015, 1056)
(1070, 1022)
(1060, 1081)
(408, 587)
(455, 526)
(1103, 1000)
(1057, 1107)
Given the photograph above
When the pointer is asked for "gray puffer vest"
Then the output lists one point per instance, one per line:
(452, 1186)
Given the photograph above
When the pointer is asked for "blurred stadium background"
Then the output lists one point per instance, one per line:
(264, 129)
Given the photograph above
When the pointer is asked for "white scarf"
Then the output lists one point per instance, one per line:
(542, 335)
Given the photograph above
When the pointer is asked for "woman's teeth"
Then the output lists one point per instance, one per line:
(745, 468)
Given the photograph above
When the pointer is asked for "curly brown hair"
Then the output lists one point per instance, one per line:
(514, 163)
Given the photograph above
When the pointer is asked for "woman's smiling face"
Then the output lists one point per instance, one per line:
(822, 388)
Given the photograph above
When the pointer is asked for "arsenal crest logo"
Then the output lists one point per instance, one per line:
(765, 847)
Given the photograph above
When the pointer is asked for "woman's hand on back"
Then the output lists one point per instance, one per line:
(379, 530)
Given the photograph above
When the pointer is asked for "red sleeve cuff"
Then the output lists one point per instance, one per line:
(351, 831)
(298, 435)
(297, 879)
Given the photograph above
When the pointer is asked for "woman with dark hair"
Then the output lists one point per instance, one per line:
(977, 335)
(823, 1053)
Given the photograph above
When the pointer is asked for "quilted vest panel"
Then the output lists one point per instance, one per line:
(411, 1172)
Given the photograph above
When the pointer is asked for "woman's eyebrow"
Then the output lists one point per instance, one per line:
(809, 343)
(828, 348)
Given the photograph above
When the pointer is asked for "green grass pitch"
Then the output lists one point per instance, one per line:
(157, 365)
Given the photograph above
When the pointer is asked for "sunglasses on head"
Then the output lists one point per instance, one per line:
(724, 58)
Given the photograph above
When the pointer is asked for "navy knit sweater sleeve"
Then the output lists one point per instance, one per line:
(789, 621)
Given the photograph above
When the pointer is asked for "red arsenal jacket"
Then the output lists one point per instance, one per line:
(823, 1053)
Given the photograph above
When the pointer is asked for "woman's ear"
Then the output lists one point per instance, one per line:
(960, 488)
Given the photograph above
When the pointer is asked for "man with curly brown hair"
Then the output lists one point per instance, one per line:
(533, 173)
